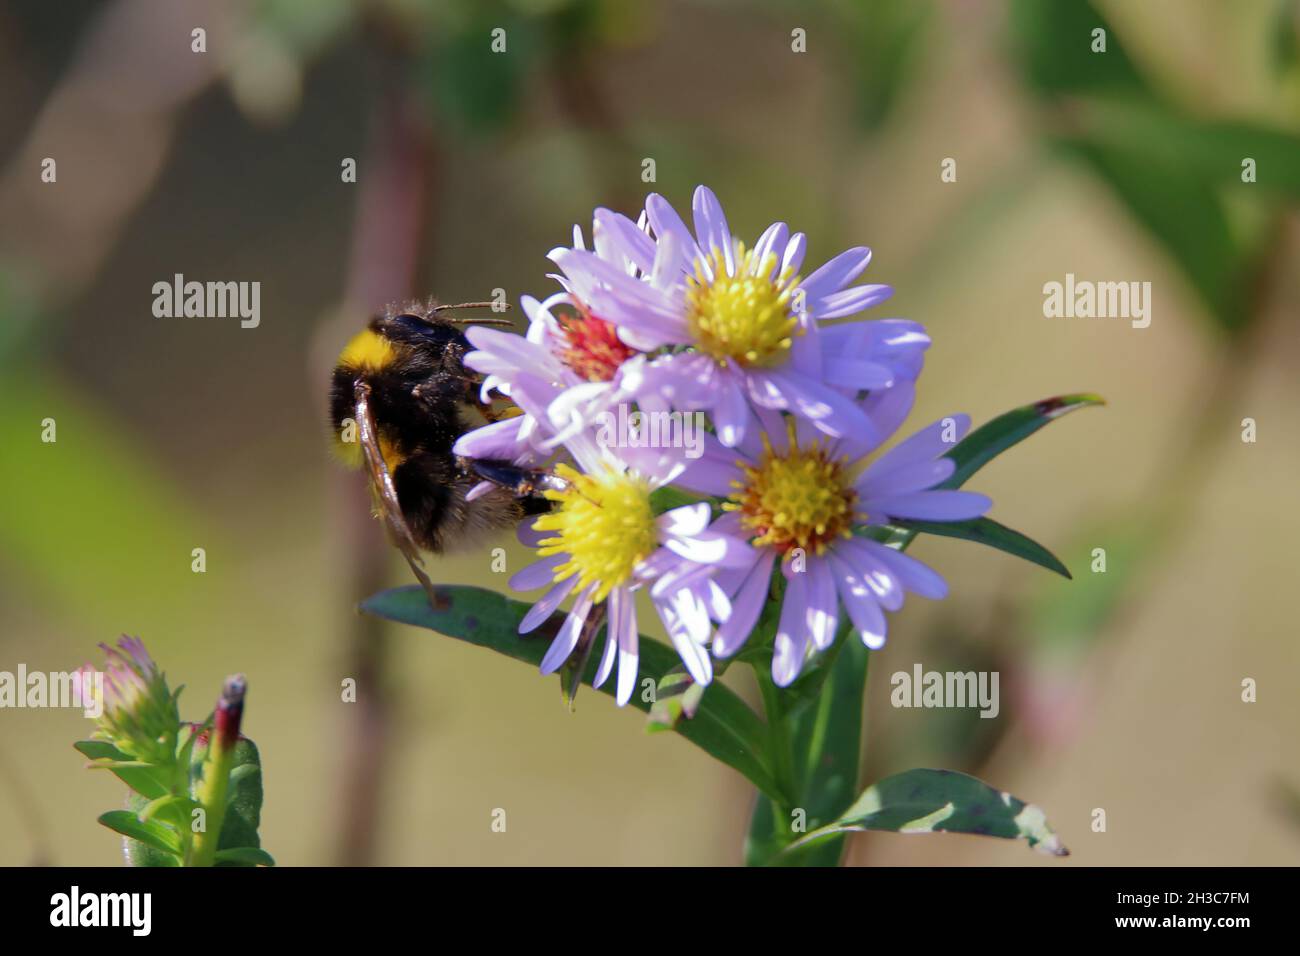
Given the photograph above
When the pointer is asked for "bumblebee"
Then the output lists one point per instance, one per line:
(400, 397)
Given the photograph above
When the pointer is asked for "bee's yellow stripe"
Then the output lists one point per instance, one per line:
(349, 451)
(368, 351)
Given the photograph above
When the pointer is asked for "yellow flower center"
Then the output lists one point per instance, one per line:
(743, 318)
(605, 525)
(802, 499)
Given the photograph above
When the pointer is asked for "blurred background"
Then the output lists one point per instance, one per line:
(1120, 690)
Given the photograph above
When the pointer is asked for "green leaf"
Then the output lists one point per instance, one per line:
(668, 497)
(155, 807)
(154, 835)
(993, 438)
(885, 40)
(677, 697)
(987, 442)
(477, 90)
(1210, 151)
(244, 856)
(1286, 36)
(1053, 41)
(243, 800)
(139, 777)
(929, 801)
(724, 726)
(989, 532)
(1185, 214)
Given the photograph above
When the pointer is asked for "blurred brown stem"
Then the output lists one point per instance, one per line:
(390, 233)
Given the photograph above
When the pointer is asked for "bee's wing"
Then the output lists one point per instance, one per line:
(381, 483)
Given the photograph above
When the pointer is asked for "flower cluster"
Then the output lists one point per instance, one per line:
(685, 325)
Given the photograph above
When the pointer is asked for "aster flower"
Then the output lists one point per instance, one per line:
(570, 365)
(798, 498)
(602, 542)
(742, 328)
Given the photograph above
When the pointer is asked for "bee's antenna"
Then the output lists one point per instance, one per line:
(506, 323)
(495, 306)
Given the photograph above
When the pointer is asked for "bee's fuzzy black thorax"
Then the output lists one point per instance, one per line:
(421, 399)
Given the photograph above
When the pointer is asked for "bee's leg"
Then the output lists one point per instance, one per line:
(381, 481)
(524, 482)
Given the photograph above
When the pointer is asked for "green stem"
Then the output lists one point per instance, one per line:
(210, 792)
(782, 751)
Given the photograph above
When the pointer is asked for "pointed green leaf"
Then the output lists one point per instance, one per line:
(989, 532)
(152, 834)
(993, 438)
(155, 807)
(984, 444)
(724, 726)
(928, 801)
(244, 856)
(139, 777)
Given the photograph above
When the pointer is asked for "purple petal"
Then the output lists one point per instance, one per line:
(791, 633)
(618, 598)
(916, 476)
(772, 242)
(567, 639)
(794, 253)
(863, 610)
(871, 573)
(665, 222)
(686, 520)
(932, 505)
(731, 414)
(889, 407)
(712, 473)
(627, 655)
(850, 301)
(538, 574)
(917, 577)
(857, 374)
(836, 274)
(712, 547)
(630, 241)
(929, 442)
(745, 608)
(686, 620)
(823, 604)
(548, 602)
(711, 226)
